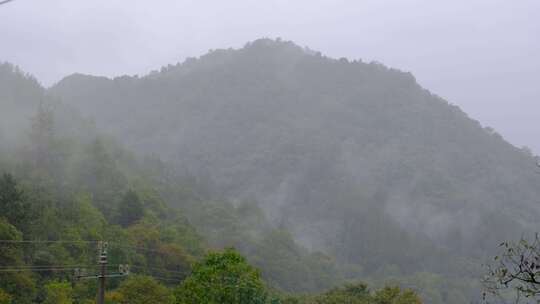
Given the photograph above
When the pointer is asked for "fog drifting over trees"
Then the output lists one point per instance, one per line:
(361, 168)
(482, 55)
(319, 170)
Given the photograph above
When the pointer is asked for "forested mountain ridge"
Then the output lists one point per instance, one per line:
(64, 186)
(353, 159)
(299, 132)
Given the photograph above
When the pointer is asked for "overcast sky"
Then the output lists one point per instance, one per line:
(483, 55)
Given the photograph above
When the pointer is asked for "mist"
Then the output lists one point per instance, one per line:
(303, 145)
(480, 55)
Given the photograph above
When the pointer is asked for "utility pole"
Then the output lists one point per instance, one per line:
(103, 273)
(123, 270)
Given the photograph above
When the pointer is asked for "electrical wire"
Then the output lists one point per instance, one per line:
(112, 244)
(178, 280)
(172, 275)
(160, 269)
(170, 279)
(135, 247)
(45, 241)
(45, 266)
(50, 267)
(5, 1)
(39, 269)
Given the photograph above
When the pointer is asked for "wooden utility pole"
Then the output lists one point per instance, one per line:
(103, 273)
(123, 270)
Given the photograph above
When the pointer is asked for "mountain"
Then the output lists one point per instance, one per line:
(310, 136)
(355, 159)
(19, 96)
(64, 185)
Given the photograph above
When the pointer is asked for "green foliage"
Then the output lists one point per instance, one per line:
(290, 267)
(98, 173)
(393, 295)
(222, 277)
(162, 255)
(19, 285)
(284, 263)
(130, 209)
(58, 293)
(88, 221)
(10, 254)
(360, 294)
(434, 288)
(353, 158)
(5, 298)
(14, 207)
(334, 156)
(143, 290)
(351, 294)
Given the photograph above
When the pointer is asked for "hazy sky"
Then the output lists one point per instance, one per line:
(483, 55)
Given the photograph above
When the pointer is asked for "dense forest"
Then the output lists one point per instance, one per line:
(341, 181)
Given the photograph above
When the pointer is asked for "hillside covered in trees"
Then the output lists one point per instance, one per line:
(319, 171)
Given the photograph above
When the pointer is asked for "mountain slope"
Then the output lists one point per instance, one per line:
(76, 183)
(356, 159)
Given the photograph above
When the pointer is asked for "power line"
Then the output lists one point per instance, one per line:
(33, 267)
(44, 266)
(137, 248)
(161, 269)
(178, 280)
(103, 275)
(45, 241)
(39, 269)
(166, 279)
(114, 244)
(172, 275)
(5, 1)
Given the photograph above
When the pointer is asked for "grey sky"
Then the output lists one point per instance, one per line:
(483, 55)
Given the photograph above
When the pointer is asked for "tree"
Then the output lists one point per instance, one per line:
(352, 294)
(130, 209)
(222, 277)
(394, 295)
(143, 290)
(44, 150)
(5, 298)
(58, 293)
(10, 253)
(100, 175)
(12, 204)
(516, 269)
(19, 285)
(360, 294)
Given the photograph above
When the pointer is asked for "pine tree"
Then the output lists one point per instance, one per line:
(130, 209)
(12, 205)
